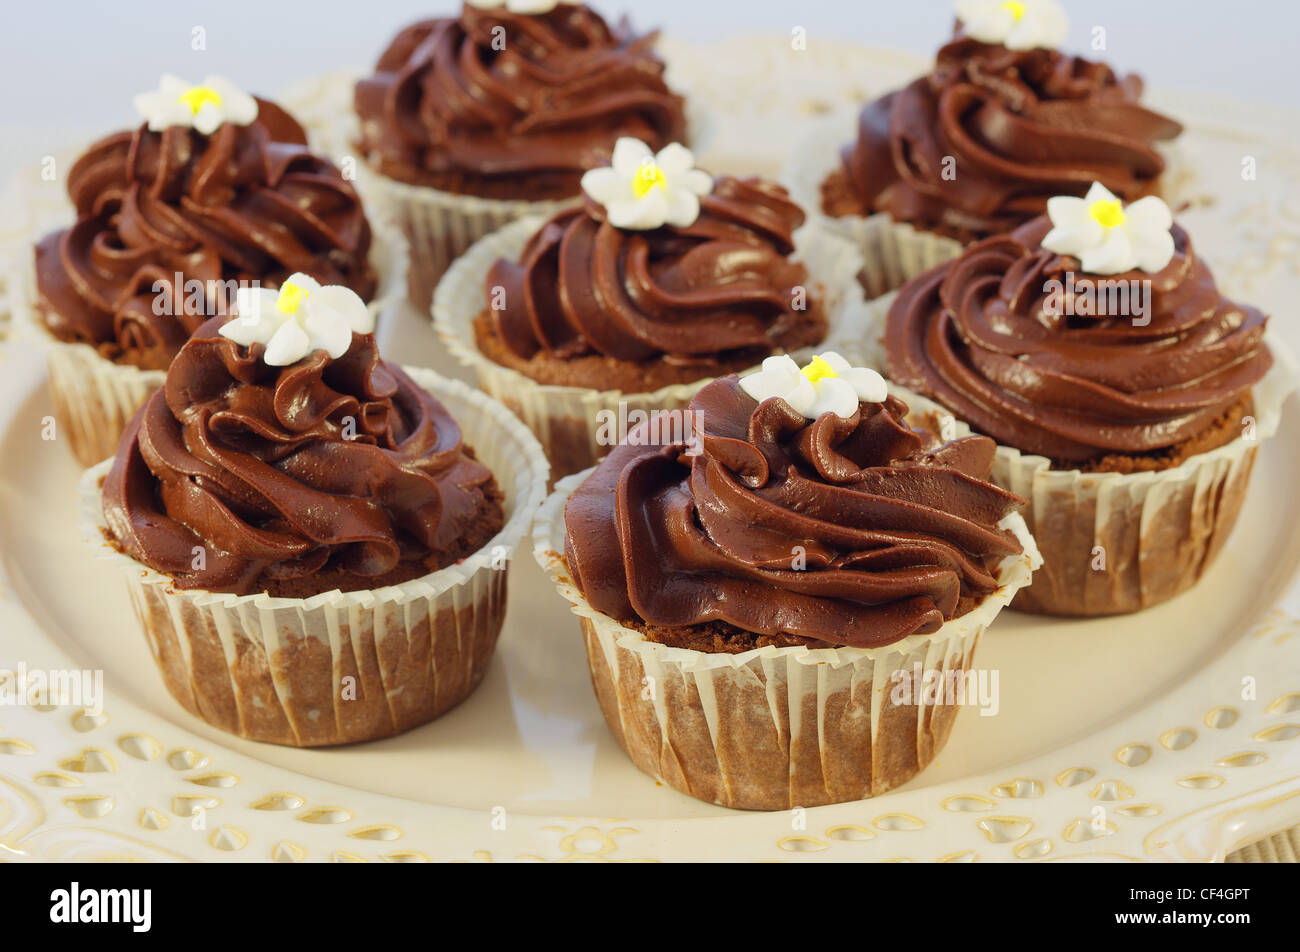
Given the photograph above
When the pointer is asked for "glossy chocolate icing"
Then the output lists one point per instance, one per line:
(977, 146)
(721, 287)
(990, 336)
(247, 203)
(325, 469)
(895, 534)
(512, 105)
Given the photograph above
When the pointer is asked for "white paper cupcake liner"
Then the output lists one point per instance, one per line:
(1114, 543)
(95, 398)
(894, 252)
(341, 667)
(774, 728)
(567, 420)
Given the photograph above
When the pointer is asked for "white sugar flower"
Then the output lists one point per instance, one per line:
(517, 6)
(204, 107)
(300, 318)
(827, 385)
(1016, 24)
(641, 190)
(1107, 237)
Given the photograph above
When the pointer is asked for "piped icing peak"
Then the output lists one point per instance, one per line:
(842, 531)
(513, 104)
(979, 145)
(169, 222)
(1010, 340)
(239, 476)
(722, 286)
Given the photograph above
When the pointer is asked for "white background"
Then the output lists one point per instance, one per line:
(69, 69)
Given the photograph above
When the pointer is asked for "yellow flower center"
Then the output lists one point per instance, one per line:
(647, 177)
(1107, 212)
(1016, 8)
(818, 369)
(291, 298)
(196, 97)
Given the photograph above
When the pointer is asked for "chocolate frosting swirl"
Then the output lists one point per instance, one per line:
(341, 470)
(512, 105)
(992, 338)
(247, 203)
(899, 535)
(1022, 125)
(721, 287)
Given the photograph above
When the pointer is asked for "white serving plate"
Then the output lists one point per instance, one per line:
(1125, 738)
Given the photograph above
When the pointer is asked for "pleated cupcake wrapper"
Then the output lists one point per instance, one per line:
(568, 420)
(775, 728)
(894, 252)
(1114, 543)
(95, 398)
(277, 669)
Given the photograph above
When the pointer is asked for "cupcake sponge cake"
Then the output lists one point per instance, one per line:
(314, 549)
(1128, 395)
(758, 588)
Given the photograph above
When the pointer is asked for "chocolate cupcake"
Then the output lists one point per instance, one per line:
(215, 189)
(1128, 395)
(757, 598)
(470, 122)
(1002, 122)
(662, 279)
(315, 540)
